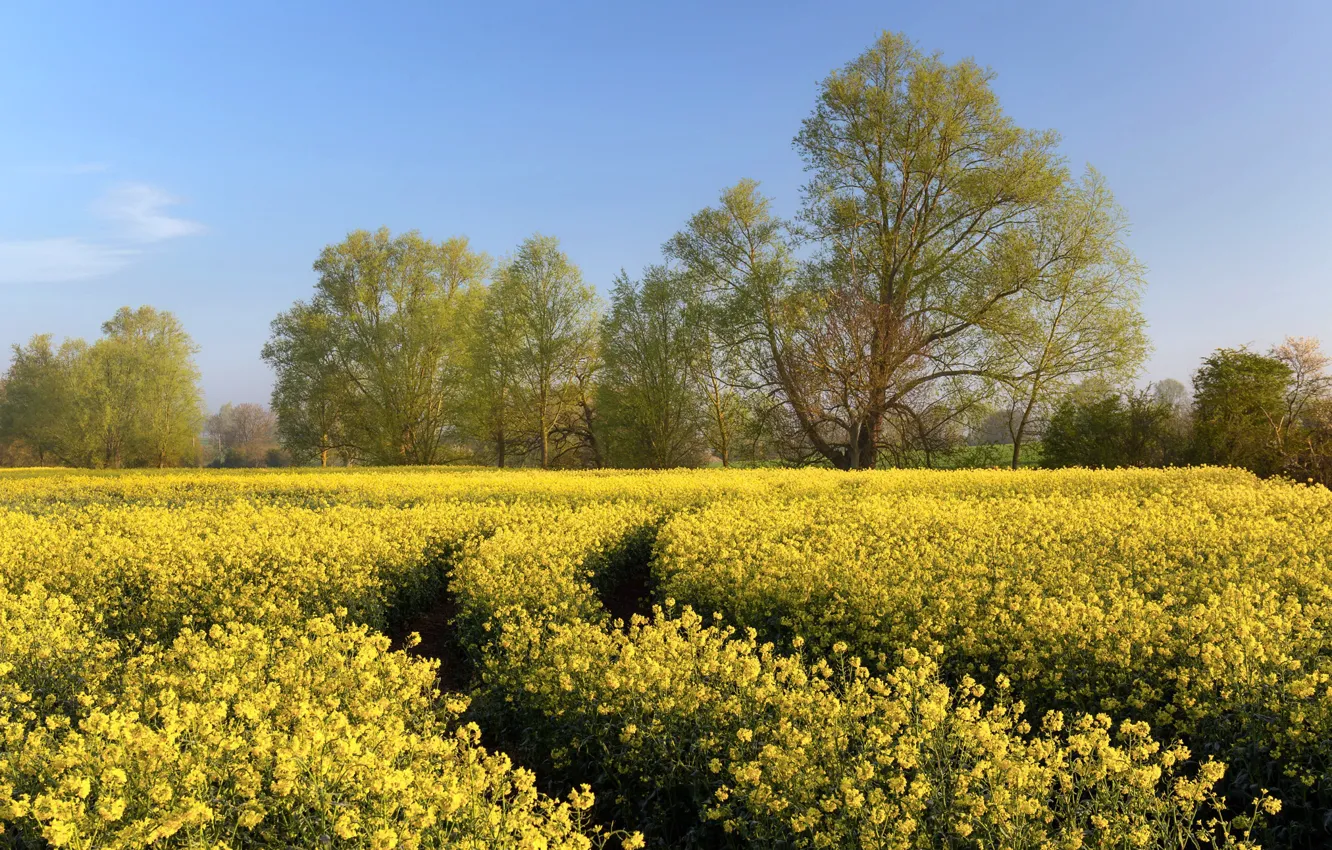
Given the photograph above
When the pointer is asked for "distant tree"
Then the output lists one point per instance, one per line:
(374, 365)
(1174, 394)
(132, 398)
(1309, 382)
(554, 333)
(148, 389)
(993, 428)
(36, 408)
(1173, 399)
(649, 397)
(1082, 318)
(245, 434)
(1096, 426)
(1239, 400)
(1304, 429)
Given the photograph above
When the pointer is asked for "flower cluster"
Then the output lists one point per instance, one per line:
(244, 736)
(1201, 607)
(710, 738)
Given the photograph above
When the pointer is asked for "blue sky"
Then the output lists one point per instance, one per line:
(196, 157)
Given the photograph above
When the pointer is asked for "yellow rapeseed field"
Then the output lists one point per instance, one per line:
(876, 660)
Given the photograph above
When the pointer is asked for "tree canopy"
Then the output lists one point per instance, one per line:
(649, 396)
(1238, 401)
(373, 365)
(938, 234)
(132, 398)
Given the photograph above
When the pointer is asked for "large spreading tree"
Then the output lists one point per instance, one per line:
(929, 222)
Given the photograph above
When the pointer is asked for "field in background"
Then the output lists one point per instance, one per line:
(747, 658)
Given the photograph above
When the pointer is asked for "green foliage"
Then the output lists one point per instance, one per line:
(1083, 318)
(374, 364)
(37, 402)
(494, 416)
(1109, 429)
(132, 398)
(1238, 401)
(652, 347)
(949, 245)
(547, 347)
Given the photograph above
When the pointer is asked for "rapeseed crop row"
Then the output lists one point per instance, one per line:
(1203, 610)
(193, 676)
(35, 491)
(977, 659)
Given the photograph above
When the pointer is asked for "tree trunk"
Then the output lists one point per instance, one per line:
(869, 450)
(862, 449)
(500, 446)
(1021, 429)
(542, 398)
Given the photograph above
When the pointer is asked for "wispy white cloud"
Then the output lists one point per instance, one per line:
(59, 259)
(140, 213)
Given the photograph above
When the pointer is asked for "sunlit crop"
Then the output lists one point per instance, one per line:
(979, 659)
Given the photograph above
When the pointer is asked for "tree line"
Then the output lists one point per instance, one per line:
(1269, 412)
(947, 277)
(131, 398)
(941, 256)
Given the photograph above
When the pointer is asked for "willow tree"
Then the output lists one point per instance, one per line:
(374, 364)
(921, 220)
(37, 406)
(147, 383)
